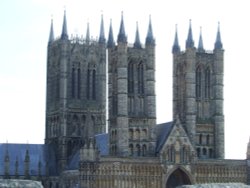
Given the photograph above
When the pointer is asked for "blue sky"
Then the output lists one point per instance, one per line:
(24, 34)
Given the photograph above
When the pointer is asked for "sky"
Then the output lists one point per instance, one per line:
(24, 34)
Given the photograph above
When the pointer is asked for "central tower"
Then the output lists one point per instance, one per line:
(131, 83)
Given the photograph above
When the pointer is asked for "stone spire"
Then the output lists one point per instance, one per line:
(122, 35)
(87, 34)
(102, 35)
(111, 42)
(137, 43)
(64, 35)
(200, 44)
(51, 34)
(176, 46)
(150, 38)
(190, 41)
(218, 43)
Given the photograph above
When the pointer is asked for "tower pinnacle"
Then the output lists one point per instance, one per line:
(64, 35)
(111, 42)
(51, 34)
(176, 46)
(150, 38)
(102, 35)
(218, 43)
(190, 41)
(200, 44)
(122, 36)
(137, 43)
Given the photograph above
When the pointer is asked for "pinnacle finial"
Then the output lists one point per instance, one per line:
(176, 46)
(64, 35)
(102, 35)
(110, 42)
(51, 34)
(122, 35)
(200, 44)
(218, 43)
(190, 41)
(137, 43)
(150, 38)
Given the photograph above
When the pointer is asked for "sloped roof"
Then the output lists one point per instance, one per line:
(162, 132)
(17, 152)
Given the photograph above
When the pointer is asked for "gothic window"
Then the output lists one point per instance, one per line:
(93, 85)
(131, 134)
(131, 150)
(75, 81)
(207, 83)
(137, 134)
(140, 74)
(183, 154)
(144, 133)
(211, 153)
(130, 78)
(200, 139)
(198, 152)
(78, 83)
(131, 105)
(198, 83)
(144, 149)
(208, 139)
(88, 83)
(204, 152)
(172, 154)
(138, 150)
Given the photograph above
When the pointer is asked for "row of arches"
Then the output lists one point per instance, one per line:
(205, 152)
(203, 83)
(136, 78)
(137, 149)
(177, 155)
(204, 139)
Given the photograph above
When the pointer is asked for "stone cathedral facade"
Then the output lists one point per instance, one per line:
(136, 152)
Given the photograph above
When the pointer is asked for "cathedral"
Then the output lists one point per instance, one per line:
(97, 83)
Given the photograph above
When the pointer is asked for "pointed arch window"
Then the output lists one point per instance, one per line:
(88, 83)
(140, 73)
(198, 83)
(130, 78)
(208, 83)
(91, 83)
(76, 81)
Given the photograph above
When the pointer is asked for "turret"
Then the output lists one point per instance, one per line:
(137, 43)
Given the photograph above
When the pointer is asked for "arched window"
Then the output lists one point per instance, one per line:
(144, 150)
(73, 82)
(204, 152)
(140, 74)
(172, 158)
(198, 83)
(93, 84)
(130, 78)
(88, 83)
(208, 139)
(76, 80)
(211, 154)
(131, 134)
(78, 83)
(207, 83)
(138, 150)
(198, 150)
(200, 139)
(131, 150)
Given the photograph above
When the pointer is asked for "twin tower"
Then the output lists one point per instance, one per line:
(76, 94)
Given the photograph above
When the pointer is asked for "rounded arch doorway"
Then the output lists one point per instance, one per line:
(177, 178)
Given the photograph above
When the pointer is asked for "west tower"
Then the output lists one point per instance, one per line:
(198, 94)
(131, 83)
(76, 92)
